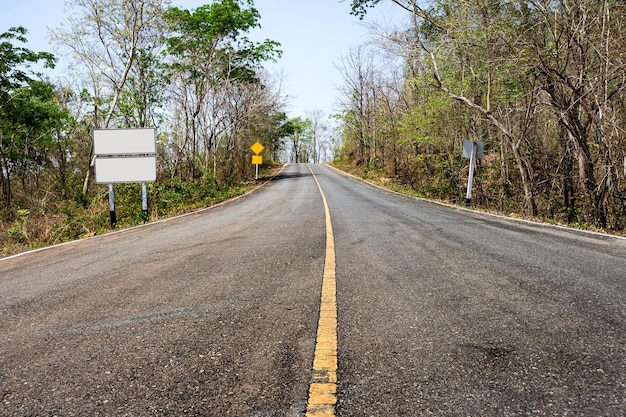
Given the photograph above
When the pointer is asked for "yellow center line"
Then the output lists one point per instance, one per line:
(323, 388)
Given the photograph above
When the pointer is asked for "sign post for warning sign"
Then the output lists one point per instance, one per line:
(257, 159)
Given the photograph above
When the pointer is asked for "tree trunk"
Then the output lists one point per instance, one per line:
(566, 178)
(586, 171)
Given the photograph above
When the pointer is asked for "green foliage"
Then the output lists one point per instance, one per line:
(301, 138)
(29, 113)
(17, 233)
(421, 124)
(359, 7)
(212, 36)
(78, 219)
(14, 60)
(541, 84)
(28, 121)
(146, 93)
(175, 196)
(194, 74)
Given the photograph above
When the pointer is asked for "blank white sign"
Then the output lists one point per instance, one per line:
(124, 141)
(131, 169)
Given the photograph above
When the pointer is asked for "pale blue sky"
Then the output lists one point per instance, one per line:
(314, 34)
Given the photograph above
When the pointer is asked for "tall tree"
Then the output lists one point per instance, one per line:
(319, 131)
(16, 60)
(568, 50)
(572, 48)
(360, 100)
(506, 60)
(212, 58)
(28, 110)
(107, 38)
(300, 140)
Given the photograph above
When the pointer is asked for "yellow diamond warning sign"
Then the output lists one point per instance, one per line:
(257, 148)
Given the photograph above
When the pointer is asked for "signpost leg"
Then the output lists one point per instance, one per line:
(144, 201)
(470, 179)
(112, 206)
(256, 177)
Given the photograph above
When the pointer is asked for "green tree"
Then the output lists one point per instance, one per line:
(544, 84)
(28, 112)
(15, 61)
(213, 71)
(360, 7)
(27, 131)
(301, 137)
(575, 49)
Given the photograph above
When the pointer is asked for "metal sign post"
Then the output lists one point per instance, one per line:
(470, 179)
(473, 151)
(112, 207)
(144, 201)
(257, 159)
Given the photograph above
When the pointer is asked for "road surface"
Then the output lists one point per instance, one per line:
(439, 311)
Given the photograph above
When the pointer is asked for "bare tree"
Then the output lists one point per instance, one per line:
(104, 37)
(319, 133)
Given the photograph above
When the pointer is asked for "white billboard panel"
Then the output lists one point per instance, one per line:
(131, 169)
(124, 141)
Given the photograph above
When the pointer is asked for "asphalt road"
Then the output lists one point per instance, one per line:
(440, 311)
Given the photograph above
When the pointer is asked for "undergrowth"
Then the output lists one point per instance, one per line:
(66, 220)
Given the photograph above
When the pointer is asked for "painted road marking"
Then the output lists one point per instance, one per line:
(323, 388)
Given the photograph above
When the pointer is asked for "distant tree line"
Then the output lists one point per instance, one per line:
(541, 82)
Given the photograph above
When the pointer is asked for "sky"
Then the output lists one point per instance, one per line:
(314, 36)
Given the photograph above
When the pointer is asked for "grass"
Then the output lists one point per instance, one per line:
(76, 219)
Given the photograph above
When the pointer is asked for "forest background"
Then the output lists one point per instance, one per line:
(541, 83)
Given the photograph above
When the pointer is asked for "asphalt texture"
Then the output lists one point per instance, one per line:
(441, 311)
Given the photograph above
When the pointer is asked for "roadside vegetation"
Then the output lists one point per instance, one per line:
(193, 75)
(65, 220)
(541, 83)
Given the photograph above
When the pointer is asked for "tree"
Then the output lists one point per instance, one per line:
(360, 101)
(15, 60)
(113, 41)
(212, 65)
(360, 7)
(28, 111)
(477, 38)
(573, 55)
(300, 139)
(545, 83)
(319, 132)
